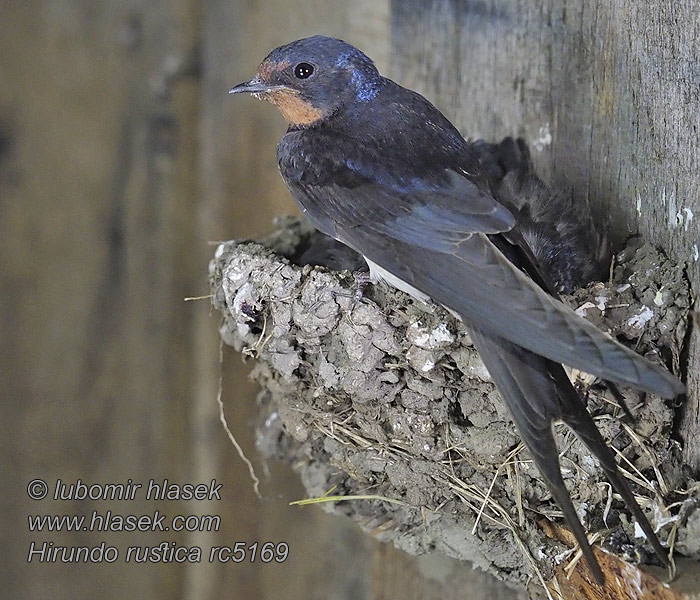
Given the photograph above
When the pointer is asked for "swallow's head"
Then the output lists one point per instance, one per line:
(311, 79)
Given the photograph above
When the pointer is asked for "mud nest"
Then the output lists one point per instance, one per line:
(384, 401)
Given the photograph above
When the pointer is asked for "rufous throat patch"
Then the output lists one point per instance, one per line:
(294, 110)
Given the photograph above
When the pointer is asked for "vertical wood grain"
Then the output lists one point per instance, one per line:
(95, 266)
(121, 156)
(607, 93)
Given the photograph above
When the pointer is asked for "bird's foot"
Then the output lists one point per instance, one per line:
(362, 280)
(357, 291)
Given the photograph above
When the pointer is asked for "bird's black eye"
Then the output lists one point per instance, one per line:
(303, 70)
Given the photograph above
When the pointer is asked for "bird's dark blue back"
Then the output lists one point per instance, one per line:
(398, 138)
(398, 141)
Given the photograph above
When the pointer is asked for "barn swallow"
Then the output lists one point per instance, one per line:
(379, 168)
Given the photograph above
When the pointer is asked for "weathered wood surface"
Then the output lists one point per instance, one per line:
(95, 265)
(606, 93)
(624, 581)
(121, 156)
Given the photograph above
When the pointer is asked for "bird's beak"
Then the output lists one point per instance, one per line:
(257, 86)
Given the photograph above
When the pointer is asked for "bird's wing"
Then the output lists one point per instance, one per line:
(532, 399)
(424, 213)
(435, 238)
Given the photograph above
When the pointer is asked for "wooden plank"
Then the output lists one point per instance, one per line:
(623, 580)
(607, 95)
(94, 264)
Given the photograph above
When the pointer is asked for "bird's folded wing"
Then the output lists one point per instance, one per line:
(436, 242)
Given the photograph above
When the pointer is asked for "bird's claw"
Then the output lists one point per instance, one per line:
(357, 290)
